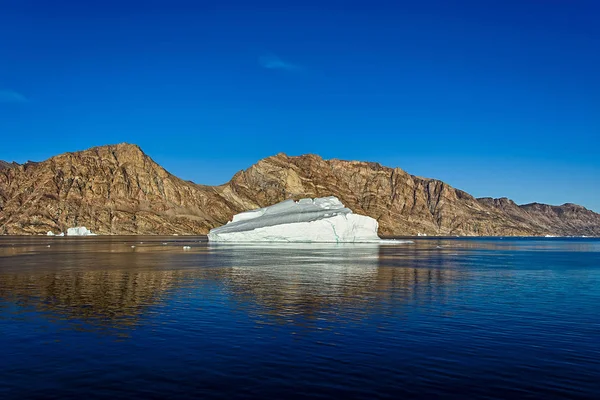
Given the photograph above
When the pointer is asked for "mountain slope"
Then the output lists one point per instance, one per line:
(4, 164)
(119, 190)
(111, 189)
(402, 203)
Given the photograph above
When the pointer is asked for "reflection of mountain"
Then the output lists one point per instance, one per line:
(103, 282)
(111, 298)
(303, 281)
(107, 284)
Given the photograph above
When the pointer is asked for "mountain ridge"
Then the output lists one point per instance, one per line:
(118, 189)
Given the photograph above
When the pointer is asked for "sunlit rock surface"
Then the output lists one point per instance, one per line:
(323, 219)
(119, 190)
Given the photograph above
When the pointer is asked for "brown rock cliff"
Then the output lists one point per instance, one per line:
(119, 190)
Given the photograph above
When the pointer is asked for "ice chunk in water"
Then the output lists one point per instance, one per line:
(79, 231)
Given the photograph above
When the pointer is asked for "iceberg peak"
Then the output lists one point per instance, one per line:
(323, 219)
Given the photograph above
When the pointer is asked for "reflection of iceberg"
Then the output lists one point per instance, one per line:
(296, 281)
(303, 273)
(79, 231)
(323, 219)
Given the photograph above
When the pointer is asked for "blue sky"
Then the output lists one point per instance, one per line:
(498, 98)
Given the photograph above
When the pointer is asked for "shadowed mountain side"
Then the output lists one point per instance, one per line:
(568, 219)
(117, 189)
(4, 164)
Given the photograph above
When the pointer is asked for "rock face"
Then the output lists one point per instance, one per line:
(109, 189)
(119, 190)
(4, 164)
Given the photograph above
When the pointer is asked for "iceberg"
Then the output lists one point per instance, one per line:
(323, 219)
(50, 233)
(79, 231)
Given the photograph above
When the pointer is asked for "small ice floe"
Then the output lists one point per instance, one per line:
(186, 247)
(79, 231)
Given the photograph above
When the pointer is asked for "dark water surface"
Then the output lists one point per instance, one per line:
(457, 318)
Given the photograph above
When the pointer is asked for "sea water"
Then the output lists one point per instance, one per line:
(140, 317)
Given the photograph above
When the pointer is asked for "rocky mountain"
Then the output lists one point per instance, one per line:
(110, 189)
(4, 164)
(118, 189)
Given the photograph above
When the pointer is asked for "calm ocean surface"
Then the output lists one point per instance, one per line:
(95, 317)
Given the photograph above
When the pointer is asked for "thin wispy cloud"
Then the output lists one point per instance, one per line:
(10, 96)
(271, 61)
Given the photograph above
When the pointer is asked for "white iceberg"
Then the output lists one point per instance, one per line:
(79, 231)
(50, 233)
(323, 219)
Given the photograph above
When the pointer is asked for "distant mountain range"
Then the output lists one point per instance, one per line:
(117, 189)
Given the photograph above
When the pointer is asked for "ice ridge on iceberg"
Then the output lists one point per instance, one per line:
(323, 219)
